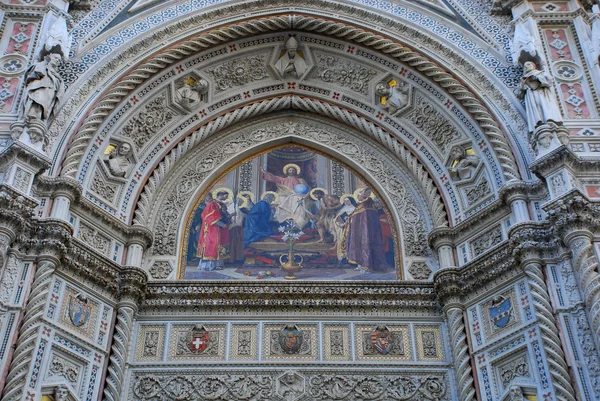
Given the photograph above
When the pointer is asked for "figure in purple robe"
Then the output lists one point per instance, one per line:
(362, 237)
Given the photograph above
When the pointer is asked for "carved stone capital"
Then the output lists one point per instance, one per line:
(574, 215)
(531, 240)
(133, 286)
(16, 211)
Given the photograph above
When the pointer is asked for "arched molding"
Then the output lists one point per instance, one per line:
(417, 171)
(208, 159)
(116, 94)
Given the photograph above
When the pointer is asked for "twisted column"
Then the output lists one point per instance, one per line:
(585, 264)
(549, 332)
(113, 389)
(460, 350)
(29, 332)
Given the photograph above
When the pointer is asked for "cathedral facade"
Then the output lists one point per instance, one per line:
(303, 200)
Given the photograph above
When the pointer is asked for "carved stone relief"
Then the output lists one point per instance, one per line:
(143, 126)
(477, 193)
(419, 270)
(120, 159)
(433, 124)
(101, 187)
(238, 72)
(291, 385)
(161, 269)
(486, 241)
(205, 160)
(513, 369)
(393, 96)
(342, 72)
(62, 367)
(8, 279)
(93, 238)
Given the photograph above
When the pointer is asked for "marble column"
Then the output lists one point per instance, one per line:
(555, 355)
(126, 311)
(460, 350)
(29, 333)
(585, 264)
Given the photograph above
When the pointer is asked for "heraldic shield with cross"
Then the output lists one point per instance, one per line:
(501, 311)
(198, 339)
(290, 339)
(382, 340)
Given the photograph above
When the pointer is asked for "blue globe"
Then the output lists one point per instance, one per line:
(301, 189)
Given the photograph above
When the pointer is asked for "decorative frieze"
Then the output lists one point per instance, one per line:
(291, 385)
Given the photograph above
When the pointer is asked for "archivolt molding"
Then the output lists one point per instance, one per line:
(116, 94)
(418, 172)
(208, 159)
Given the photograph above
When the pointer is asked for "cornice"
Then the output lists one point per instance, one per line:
(563, 156)
(19, 151)
(511, 191)
(135, 233)
(457, 283)
(320, 296)
(54, 186)
(121, 282)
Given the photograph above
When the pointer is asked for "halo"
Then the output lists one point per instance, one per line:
(359, 190)
(343, 198)
(270, 192)
(297, 167)
(229, 191)
(314, 189)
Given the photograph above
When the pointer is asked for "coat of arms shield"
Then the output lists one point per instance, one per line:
(79, 310)
(382, 340)
(501, 311)
(198, 339)
(290, 339)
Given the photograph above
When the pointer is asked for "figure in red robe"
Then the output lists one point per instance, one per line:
(362, 239)
(213, 243)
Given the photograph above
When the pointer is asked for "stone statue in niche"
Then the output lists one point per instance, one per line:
(119, 160)
(191, 92)
(393, 96)
(43, 90)
(61, 393)
(463, 164)
(540, 105)
(515, 394)
(291, 63)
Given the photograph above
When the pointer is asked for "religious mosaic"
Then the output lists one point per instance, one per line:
(278, 217)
